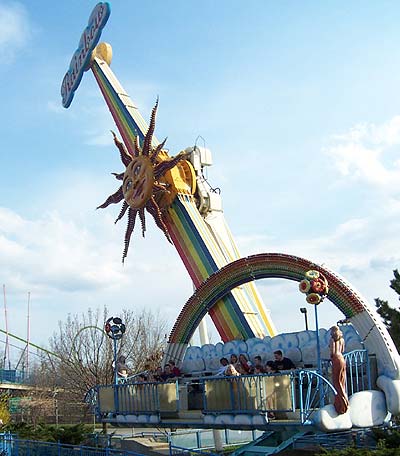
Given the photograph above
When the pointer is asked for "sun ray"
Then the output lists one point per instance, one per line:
(129, 229)
(142, 220)
(149, 135)
(155, 212)
(124, 207)
(124, 154)
(156, 151)
(164, 166)
(136, 146)
(115, 198)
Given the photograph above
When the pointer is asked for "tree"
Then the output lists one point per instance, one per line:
(84, 353)
(390, 315)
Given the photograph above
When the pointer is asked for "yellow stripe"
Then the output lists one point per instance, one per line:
(242, 300)
(188, 244)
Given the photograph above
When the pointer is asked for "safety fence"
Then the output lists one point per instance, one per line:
(196, 439)
(12, 446)
(293, 395)
(338, 440)
(12, 376)
(180, 451)
(300, 392)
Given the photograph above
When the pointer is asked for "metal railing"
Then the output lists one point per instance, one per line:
(358, 371)
(338, 440)
(314, 391)
(145, 398)
(12, 446)
(201, 439)
(180, 451)
(249, 393)
(300, 391)
(12, 376)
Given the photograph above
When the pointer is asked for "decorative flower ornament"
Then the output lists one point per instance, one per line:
(312, 274)
(304, 286)
(313, 298)
(315, 286)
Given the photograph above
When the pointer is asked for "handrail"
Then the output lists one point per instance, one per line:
(312, 394)
(358, 368)
(10, 444)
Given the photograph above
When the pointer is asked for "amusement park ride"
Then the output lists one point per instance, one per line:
(175, 193)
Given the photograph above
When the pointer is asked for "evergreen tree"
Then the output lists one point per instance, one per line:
(395, 283)
(390, 315)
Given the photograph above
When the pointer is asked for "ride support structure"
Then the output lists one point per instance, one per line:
(193, 211)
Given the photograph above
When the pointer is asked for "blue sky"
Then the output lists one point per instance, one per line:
(299, 103)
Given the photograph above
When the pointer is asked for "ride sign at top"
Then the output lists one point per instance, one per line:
(80, 61)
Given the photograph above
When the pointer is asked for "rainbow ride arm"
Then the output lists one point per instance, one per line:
(193, 212)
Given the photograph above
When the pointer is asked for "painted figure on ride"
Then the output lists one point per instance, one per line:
(141, 182)
(336, 346)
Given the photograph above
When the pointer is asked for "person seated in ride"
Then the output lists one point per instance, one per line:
(258, 370)
(167, 374)
(230, 371)
(122, 369)
(224, 362)
(175, 370)
(282, 363)
(258, 365)
(233, 359)
(269, 367)
(156, 375)
(243, 366)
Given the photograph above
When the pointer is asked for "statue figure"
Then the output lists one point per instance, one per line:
(336, 346)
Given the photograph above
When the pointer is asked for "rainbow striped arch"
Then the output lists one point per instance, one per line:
(277, 265)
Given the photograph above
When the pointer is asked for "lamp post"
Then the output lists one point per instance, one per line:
(303, 310)
(319, 364)
(316, 288)
(115, 329)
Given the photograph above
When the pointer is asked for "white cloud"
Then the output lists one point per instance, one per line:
(15, 30)
(69, 258)
(361, 242)
(365, 154)
(51, 253)
(363, 250)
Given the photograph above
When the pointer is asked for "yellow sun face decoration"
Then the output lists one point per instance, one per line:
(140, 183)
